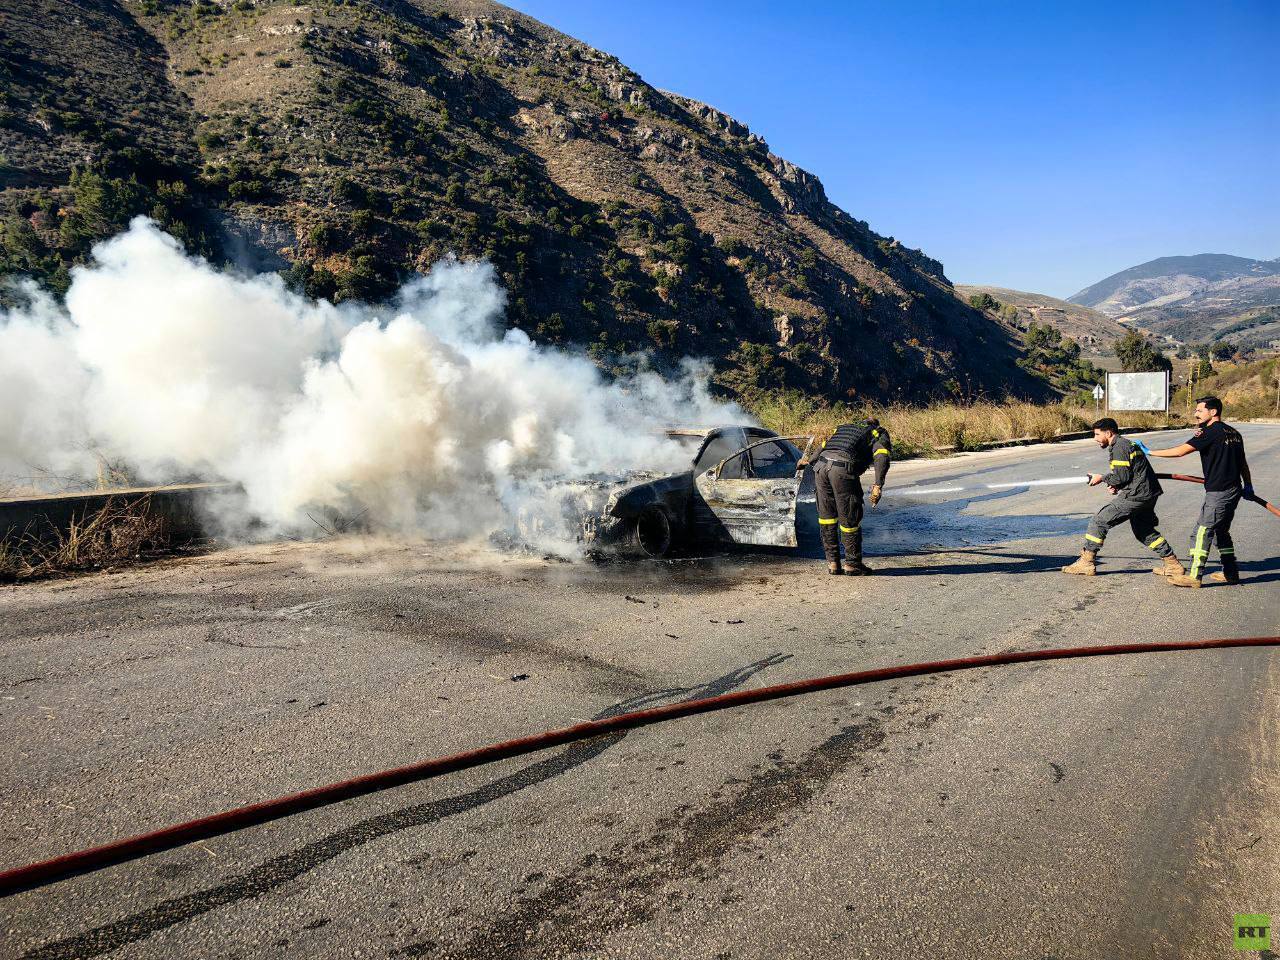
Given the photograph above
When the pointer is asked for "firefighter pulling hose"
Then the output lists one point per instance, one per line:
(1134, 485)
(1227, 480)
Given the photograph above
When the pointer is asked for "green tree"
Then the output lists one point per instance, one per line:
(551, 328)
(100, 207)
(1137, 355)
(366, 280)
(1221, 350)
(757, 366)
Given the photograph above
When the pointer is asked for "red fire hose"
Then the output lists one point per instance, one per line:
(1252, 497)
(60, 868)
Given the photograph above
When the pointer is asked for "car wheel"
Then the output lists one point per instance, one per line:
(652, 535)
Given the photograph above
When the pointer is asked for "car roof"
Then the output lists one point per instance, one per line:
(687, 431)
(708, 431)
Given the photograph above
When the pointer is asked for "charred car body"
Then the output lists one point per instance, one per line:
(742, 487)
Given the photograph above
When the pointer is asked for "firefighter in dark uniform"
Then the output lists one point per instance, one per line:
(1226, 480)
(851, 449)
(1136, 491)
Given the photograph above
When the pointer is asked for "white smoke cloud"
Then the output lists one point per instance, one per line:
(41, 387)
(425, 416)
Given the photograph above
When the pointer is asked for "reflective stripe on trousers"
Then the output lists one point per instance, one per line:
(1214, 528)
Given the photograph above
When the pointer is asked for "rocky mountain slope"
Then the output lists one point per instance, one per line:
(1202, 298)
(348, 143)
(1094, 331)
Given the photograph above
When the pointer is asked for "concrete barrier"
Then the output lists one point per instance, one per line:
(46, 517)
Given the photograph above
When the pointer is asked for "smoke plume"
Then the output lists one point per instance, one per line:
(426, 415)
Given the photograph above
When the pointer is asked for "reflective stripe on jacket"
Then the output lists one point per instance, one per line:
(1130, 472)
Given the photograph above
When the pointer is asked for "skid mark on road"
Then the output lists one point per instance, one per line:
(280, 870)
(578, 910)
(1049, 631)
(304, 609)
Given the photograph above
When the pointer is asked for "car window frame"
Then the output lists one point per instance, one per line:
(804, 455)
(786, 446)
(712, 437)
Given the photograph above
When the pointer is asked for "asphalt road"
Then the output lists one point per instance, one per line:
(1123, 807)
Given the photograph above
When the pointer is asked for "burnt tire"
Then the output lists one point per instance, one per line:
(652, 536)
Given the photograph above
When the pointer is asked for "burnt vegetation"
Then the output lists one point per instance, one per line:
(348, 144)
(120, 532)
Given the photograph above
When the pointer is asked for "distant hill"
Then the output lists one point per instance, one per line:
(1094, 331)
(350, 144)
(1202, 298)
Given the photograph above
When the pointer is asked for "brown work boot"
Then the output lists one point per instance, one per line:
(856, 568)
(1086, 566)
(835, 569)
(1219, 577)
(1172, 568)
(1182, 580)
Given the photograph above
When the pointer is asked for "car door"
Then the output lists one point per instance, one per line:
(752, 493)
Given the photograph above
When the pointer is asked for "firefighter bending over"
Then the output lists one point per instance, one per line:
(851, 449)
(1136, 490)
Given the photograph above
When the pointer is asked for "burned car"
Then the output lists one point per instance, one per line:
(741, 488)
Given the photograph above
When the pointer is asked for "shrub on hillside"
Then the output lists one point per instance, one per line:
(663, 333)
(100, 207)
(984, 301)
(367, 280)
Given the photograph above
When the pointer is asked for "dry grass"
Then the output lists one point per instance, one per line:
(1249, 390)
(940, 429)
(120, 531)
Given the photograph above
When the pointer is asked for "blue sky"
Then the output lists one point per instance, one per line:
(1034, 145)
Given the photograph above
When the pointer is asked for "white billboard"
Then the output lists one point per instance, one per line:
(1138, 391)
